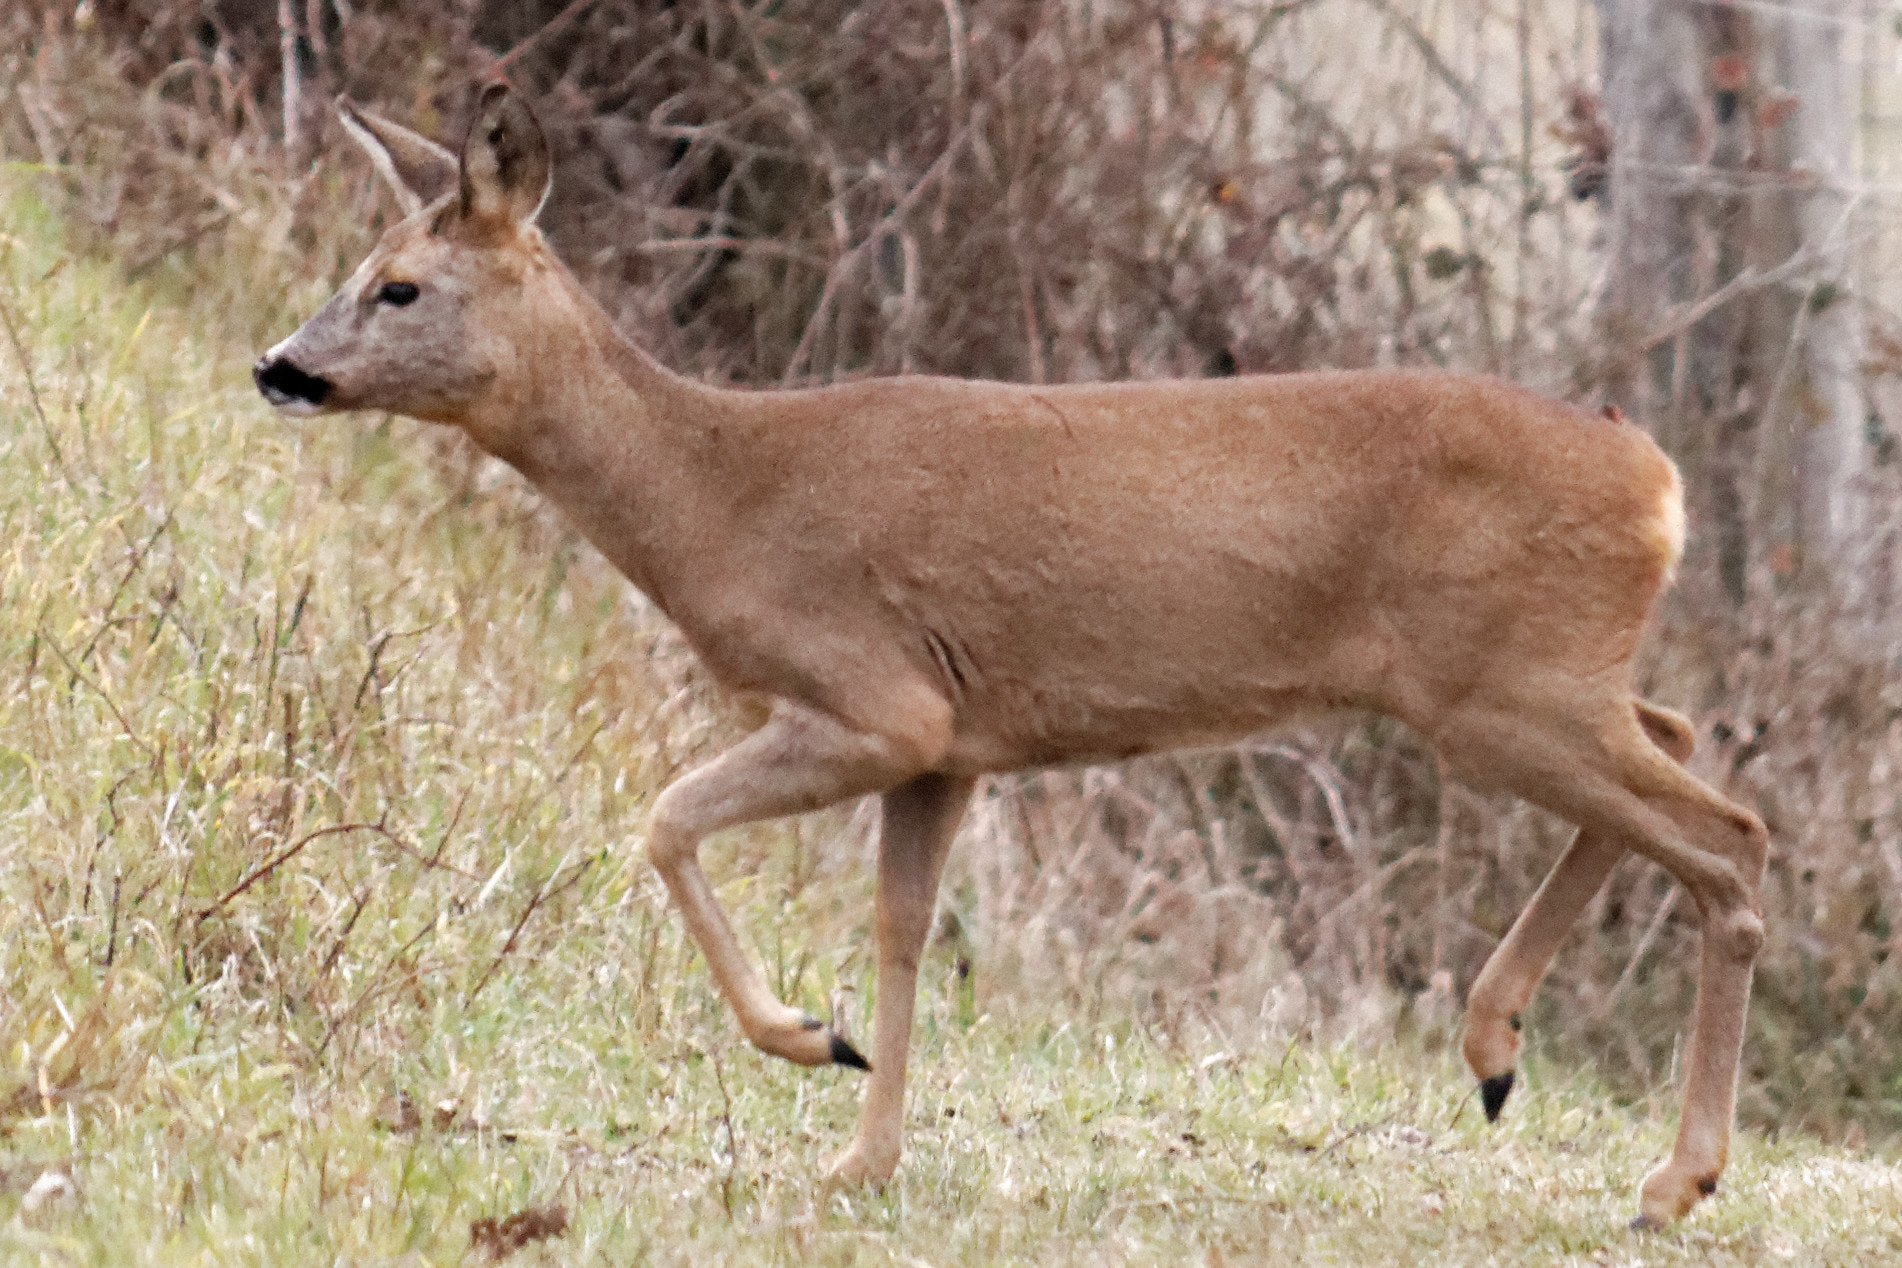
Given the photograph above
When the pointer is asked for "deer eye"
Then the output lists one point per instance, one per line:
(397, 293)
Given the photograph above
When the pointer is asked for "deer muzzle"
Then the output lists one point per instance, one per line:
(289, 388)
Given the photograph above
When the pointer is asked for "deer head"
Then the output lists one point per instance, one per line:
(427, 324)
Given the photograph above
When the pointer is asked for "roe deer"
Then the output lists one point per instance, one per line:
(933, 579)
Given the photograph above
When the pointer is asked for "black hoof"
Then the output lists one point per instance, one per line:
(844, 1053)
(1644, 1224)
(1493, 1092)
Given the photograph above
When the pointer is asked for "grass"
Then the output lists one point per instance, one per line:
(1034, 1145)
(324, 932)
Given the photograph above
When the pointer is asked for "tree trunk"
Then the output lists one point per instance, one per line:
(1678, 231)
(1824, 401)
(1718, 167)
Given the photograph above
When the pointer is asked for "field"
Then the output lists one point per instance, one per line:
(325, 933)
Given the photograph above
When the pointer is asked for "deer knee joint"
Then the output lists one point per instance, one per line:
(669, 841)
(1738, 934)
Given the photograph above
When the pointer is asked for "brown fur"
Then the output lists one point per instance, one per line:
(933, 579)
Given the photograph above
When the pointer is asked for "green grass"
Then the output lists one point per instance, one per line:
(1030, 1145)
(324, 930)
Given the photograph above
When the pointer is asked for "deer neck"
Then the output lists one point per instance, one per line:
(642, 460)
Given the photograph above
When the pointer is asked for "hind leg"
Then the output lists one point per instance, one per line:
(1593, 763)
(1731, 936)
(1514, 970)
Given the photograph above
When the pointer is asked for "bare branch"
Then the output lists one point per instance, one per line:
(293, 84)
(546, 29)
(1748, 281)
(1430, 54)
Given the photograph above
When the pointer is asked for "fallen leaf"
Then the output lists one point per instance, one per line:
(1729, 72)
(499, 1239)
(52, 1186)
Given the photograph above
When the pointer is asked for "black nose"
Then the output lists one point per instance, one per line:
(284, 384)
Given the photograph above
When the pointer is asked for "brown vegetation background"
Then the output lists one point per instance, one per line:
(1054, 190)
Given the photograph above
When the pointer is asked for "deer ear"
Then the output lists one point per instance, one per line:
(416, 169)
(506, 170)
